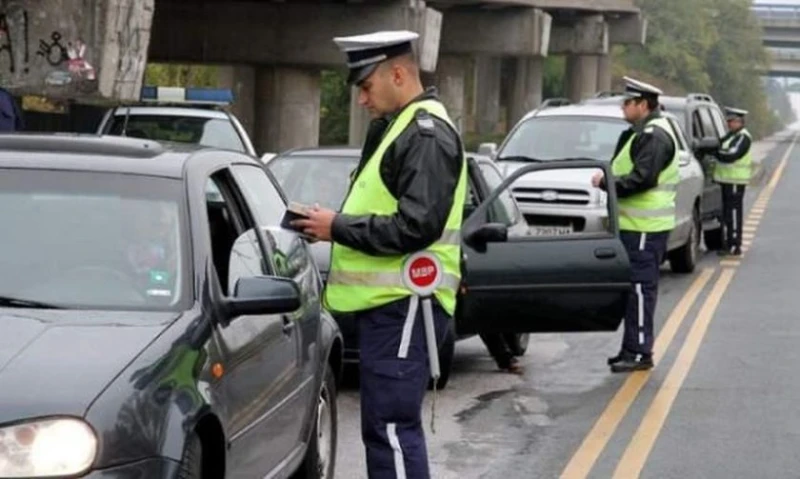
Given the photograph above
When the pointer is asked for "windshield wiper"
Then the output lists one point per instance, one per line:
(11, 302)
(528, 159)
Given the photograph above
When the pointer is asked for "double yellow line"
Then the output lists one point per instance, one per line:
(640, 446)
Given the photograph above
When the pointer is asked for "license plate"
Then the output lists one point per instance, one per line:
(551, 230)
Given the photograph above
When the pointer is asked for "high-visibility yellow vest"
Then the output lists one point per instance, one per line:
(358, 281)
(652, 210)
(740, 171)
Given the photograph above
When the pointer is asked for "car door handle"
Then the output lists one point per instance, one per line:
(605, 253)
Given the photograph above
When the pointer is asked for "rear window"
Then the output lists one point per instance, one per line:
(211, 132)
(314, 179)
(92, 240)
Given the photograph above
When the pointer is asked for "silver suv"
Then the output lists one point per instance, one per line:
(565, 203)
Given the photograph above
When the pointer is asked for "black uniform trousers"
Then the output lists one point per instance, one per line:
(394, 373)
(732, 211)
(646, 252)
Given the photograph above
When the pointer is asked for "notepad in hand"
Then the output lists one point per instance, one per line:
(294, 211)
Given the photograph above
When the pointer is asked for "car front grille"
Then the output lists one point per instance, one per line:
(550, 196)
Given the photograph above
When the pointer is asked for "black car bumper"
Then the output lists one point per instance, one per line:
(155, 468)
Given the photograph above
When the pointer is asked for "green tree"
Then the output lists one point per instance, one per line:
(334, 123)
(178, 75)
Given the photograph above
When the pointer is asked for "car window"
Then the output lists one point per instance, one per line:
(708, 124)
(719, 123)
(314, 179)
(506, 205)
(212, 132)
(678, 134)
(290, 257)
(561, 137)
(697, 125)
(235, 248)
(93, 240)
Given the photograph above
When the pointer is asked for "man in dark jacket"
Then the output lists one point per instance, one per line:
(10, 115)
(406, 201)
(646, 176)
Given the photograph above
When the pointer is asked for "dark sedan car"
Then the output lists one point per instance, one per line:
(152, 321)
(514, 283)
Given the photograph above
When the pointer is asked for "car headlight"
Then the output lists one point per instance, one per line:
(47, 448)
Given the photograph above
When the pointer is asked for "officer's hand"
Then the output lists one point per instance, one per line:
(597, 180)
(318, 224)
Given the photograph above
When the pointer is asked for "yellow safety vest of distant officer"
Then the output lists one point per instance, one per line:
(733, 171)
(406, 198)
(646, 174)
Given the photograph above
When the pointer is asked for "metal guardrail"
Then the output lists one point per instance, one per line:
(777, 12)
(785, 54)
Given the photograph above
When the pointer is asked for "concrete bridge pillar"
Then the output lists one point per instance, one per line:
(287, 108)
(451, 75)
(241, 79)
(487, 93)
(526, 91)
(604, 73)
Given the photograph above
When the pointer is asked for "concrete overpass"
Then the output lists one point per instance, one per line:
(780, 23)
(274, 51)
(279, 48)
(784, 63)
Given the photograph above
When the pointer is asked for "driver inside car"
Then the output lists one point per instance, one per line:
(150, 253)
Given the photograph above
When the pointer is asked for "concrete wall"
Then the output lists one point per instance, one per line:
(88, 49)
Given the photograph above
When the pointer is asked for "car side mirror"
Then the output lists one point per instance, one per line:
(487, 149)
(486, 233)
(706, 144)
(263, 295)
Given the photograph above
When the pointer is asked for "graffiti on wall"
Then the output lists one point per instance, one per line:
(59, 61)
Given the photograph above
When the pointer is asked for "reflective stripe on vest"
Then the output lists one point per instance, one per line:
(740, 171)
(652, 210)
(358, 281)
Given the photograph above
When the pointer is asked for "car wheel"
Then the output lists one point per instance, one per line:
(192, 461)
(517, 342)
(684, 259)
(446, 351)
(320, 459)
(713, 239)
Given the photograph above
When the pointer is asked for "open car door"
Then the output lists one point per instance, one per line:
(515, 282)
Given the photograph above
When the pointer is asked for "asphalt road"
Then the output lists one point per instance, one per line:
(719, 403)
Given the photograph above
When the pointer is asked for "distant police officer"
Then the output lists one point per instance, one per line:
(733, 171)
(407, 195)
(645, 169)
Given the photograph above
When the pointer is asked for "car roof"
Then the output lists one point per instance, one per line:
(171, 111)
(598, 107)
(326, 151)
(86, 152)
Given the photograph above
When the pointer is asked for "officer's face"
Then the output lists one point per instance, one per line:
(634, 109)
(378, 93)
(735, 124)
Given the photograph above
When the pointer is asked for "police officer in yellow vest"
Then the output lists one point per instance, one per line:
(733, 171)
(645, 169)
(407, 195)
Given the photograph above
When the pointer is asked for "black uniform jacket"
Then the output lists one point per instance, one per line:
(652, 151)
(421, 169)
(740, 147)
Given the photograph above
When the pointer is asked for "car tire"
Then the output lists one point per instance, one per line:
(713, 239)
(192, 461)
(684, 259)
(320, 459)
(446, 351)
(517, 342)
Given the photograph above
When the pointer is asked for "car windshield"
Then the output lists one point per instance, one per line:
(211, 132)
(91, 240)
(314, 179)
(562, 137)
